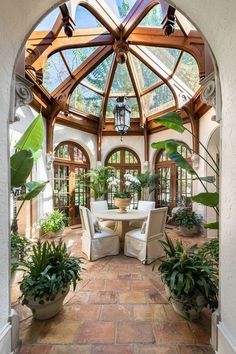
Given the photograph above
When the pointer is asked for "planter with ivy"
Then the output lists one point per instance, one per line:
(190, 278)
(188, 222)
(47, 276)
(53, 224)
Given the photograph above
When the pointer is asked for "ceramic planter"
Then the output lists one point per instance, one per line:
(193, 311)
(49, 308)
(122, 204)
(189, 232)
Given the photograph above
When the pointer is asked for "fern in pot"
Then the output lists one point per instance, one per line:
(191, 279)
(53, 224)
(47, 276)
(188, 222)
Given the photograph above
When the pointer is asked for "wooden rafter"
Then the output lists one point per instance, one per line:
(62, 92)
(92, 87)
(107, 90)
(136, 87)
(41, 45)
(136, 14)
(103, 14)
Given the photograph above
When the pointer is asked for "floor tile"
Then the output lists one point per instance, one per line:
(195, 349)
(103, 297)
(96, 332)
(73, 349)
(155, 349)
(94, 285)
(117, 312)
(79, 312)
(118, 284)
(149, 312)
(132, 297)
(173, 332)
(61, 333)
(113, 349)
(135, 332)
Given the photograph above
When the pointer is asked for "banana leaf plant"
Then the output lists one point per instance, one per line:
(96, 181)
(27, 151)
(174, 121)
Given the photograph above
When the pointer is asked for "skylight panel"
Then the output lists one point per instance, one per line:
(48, 21)
(84, 19)
(122, 83)
(77, 56)
(54, 72)
(158, 100)
(86, 100)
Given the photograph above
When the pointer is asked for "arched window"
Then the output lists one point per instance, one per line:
(69, 192)
(175, 183)
(123, 160)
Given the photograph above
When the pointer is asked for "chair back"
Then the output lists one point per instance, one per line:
(146, 205)
(87, 221)
(98, 206)
(156, 222)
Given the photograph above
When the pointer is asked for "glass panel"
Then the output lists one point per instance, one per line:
(158, 100)
(86, 100)
(183, 188)
(132, 102)
(62, 152)
(188, 71)
(78, 155)
(114, 158)
(164, 196)
(61, 188)
(98, 77)
(120, 8)
(84, 19)
(130, 158)
(48, 21)
(54, 72)
(167, 56)
(122, 83)
(153, 18)
(146, 77)
(76, 56)
(80, 191)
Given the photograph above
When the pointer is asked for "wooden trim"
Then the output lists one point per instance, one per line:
(122, 160)
(108, 89)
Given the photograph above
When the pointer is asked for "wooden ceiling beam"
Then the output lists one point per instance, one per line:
(135, 16)
(62, 92)
(137, 89)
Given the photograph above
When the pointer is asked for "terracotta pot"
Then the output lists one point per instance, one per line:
(193, 312)
(189, 232)
(122, 204)
(49, 308)
(52, 234)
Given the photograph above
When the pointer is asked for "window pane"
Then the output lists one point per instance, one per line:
(86, 100)
(76, 56)
(120, 8)
(62, 152)
(167, 56)
(48, 21)
(146, 77)
(153, 18)
(188, 72)
(54, 72)
(158, 100)
(122, 83)
(98, 77)
(84, 19)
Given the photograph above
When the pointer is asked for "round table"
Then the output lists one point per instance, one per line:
(122, 220)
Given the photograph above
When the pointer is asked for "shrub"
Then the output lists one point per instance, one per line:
(20, 247)
(187, 218)
(53, 222)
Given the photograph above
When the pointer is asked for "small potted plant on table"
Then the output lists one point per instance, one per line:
(188, 222)
(190, 278)
(47, 277)
(53, 224)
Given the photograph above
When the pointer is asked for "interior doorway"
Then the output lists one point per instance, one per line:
(69, 186)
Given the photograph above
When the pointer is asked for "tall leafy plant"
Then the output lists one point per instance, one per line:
(211, 199)
(149, 182)
(27, 151)
(97, 181)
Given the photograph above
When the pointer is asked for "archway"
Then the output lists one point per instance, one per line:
(69, 188)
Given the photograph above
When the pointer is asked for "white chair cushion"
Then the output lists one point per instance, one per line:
(105, 232)
(136, 233)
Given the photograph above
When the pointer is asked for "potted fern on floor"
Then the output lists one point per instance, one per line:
(47, 276)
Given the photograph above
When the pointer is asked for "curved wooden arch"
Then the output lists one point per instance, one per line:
(123, 148)
(160, 152)
(80, 147)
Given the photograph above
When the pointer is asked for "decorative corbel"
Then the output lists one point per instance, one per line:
(23, 95)
(209, 95)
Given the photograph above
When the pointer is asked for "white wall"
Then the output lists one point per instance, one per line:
(217, 22)
(86, 140)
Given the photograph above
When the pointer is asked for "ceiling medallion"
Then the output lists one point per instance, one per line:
(121, 48)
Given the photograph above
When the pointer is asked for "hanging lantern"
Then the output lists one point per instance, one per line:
(122, 113)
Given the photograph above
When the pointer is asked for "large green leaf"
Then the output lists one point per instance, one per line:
(171, 120)
(181, 162)
(32, 139)
(34, 188)
(212, 226)
(208, 199)
(208, 179)
(21, 166)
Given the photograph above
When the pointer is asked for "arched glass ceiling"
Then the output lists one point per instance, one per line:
(48, 21)
(153, 77)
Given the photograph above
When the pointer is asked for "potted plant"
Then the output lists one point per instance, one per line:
(122, 198)
(97, 181)
(47, 276)
(20, 247)
(190, 278)
(149, 182)
(188, 222)
(53, 224)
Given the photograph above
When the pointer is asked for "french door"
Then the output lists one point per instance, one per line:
(70, 190)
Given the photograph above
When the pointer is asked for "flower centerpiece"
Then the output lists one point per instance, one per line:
(122, 198)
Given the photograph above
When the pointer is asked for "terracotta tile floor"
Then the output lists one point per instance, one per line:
(119, 307)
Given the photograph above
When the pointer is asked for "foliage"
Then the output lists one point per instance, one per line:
(97, 181)
(122, 194)
(187, 218)
(20, 247)
(53, 222)
(187, 273)
(131, 185)
(174, 121)
(148, 181)
(211, 249)
(49, 271)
